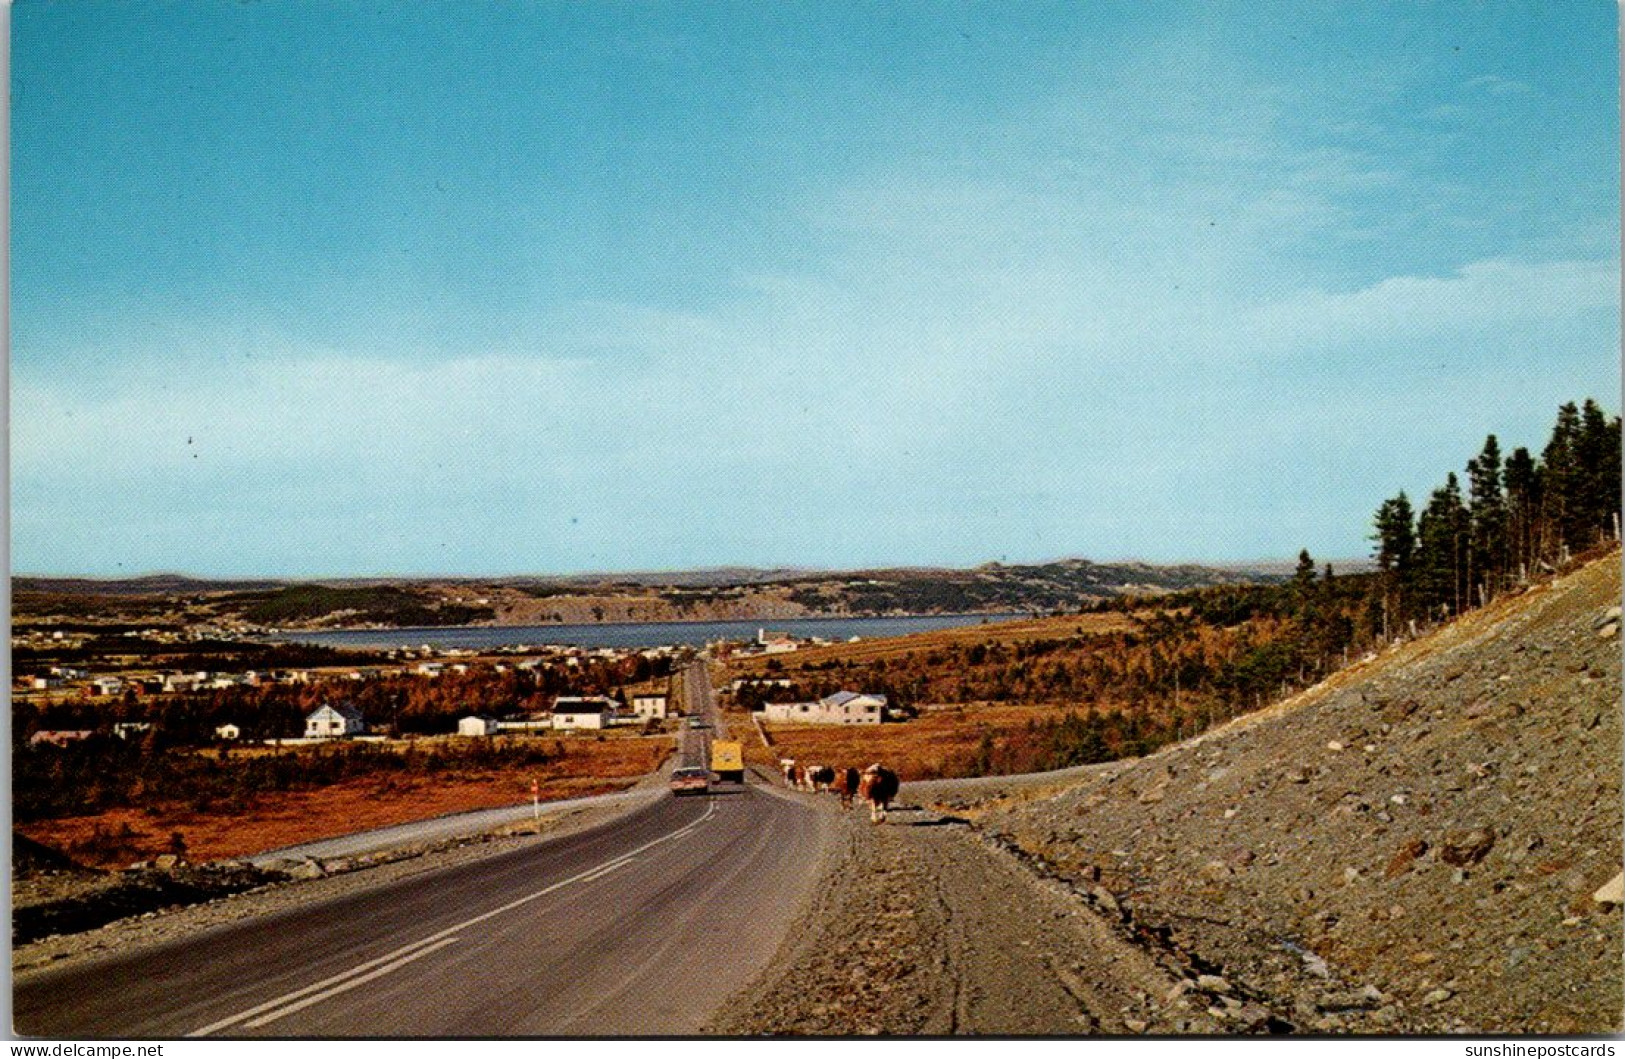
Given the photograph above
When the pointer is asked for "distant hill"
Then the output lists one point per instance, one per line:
(716, 594)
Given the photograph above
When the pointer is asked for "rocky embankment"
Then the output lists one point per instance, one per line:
(1424, 844)
(1430, 842)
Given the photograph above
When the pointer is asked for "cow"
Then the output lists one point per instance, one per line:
(846, 785)
(878, 786)
(819, 777)
(787, 765)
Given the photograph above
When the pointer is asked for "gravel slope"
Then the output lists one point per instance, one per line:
(1412, 848)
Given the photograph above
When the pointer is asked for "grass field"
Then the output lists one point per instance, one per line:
(116, 837)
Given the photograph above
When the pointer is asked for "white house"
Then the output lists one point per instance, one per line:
(334, 722)
(228, 732)
(843, 707)
(649, 706)
(774, 643)
(107, 685)
(125, 729)
(570, 712)
(429, 669)
(478, 724)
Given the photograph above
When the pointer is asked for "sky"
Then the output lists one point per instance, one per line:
(332, 288)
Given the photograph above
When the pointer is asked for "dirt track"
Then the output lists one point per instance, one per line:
(926, 930)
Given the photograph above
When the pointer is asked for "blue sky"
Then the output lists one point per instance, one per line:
(328, 288)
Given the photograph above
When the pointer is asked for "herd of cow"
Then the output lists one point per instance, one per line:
(876, 784)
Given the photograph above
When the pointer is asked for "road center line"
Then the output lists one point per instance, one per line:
(346, 986)
(395, 955)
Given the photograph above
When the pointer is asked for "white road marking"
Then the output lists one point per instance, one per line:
(372, 968)
(606, 869)
(348, 985)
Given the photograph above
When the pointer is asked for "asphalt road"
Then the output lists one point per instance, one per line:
(641, 926)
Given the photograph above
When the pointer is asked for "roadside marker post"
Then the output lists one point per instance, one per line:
(535, 801)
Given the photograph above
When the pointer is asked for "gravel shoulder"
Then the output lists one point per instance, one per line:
(926, 929)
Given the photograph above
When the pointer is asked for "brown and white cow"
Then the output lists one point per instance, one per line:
(878, 786)
(819, 777)
(787, 765)
(846, 785)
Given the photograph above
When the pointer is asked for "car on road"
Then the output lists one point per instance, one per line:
(690, 781)
(698, 722)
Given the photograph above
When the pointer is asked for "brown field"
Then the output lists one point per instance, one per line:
(1009, 632)
(291, 817)
(937, 744)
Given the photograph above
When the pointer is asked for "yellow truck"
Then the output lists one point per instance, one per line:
(728, 760)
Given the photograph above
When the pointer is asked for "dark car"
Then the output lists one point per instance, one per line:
(691, 781)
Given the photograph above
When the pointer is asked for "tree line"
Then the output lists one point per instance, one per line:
(1519, 516)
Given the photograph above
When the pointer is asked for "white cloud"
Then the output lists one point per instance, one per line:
(1499, 86)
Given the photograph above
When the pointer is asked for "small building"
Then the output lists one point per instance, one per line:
(649, 706)
(429, 669)
(843, 707)
(774, 643)
(125, 729)
(106, 686)
(478, 724)
(228, 732)
(334, 722)
(571, 712)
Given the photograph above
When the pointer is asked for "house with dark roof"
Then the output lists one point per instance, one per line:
(334, 721)
(570, 712)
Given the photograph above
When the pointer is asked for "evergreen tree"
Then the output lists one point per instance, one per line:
(1596, 448)
(1303, 578)
(1561, 511)
(1487, 555)
(1442, 540)
(1396, 550)
(1395, 536)
(1523, 501)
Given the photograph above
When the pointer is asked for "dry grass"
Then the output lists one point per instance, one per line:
(287, 818)
(939, 743)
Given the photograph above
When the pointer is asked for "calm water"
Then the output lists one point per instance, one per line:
(640, 634)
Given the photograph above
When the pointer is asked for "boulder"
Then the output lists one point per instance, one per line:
(1404, 858)
(1612, 892)
(306, 869)
(1463, 848)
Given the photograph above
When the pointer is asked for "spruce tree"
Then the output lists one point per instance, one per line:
(1396, 549)
(1523, 499)
(1561, 510)
(1487, 555)
(1442, 539)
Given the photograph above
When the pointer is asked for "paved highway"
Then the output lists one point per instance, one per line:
(641, 926)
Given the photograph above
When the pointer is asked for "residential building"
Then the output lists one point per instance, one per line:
(843, 707)
(572, 712)
(334, 721)
(649, 705)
